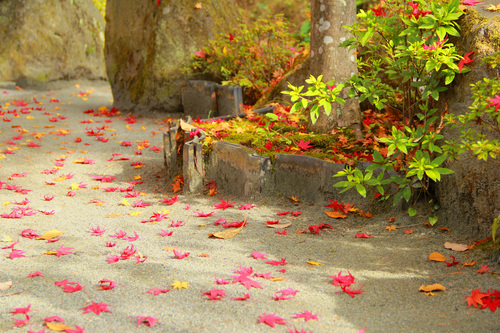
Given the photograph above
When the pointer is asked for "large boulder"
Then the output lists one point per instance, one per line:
(470, 198)
(47, 40)
(149, 42)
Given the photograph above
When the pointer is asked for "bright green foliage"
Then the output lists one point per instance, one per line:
(481, 123)
(320, 95)
(254, 57)
(405, 58)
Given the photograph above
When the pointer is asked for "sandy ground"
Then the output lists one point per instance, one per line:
(389, 268)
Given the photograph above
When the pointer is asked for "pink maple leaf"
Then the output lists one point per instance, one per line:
(258, 255)
(119, 234)
(203, 214)
(283, 294)
(110, 244)
(220, 222)
(221, 281)
(63, 251)
(307, 315)
(247, 207)
(180, 254)
(164, 233)
(271, 319)
(16, 254)
(106, 284)
(71, 287)
(77, 329)
(215, 294)
(223, 204)
(37, 273)
(128, 252)
(96, 308)
(132, 238)
(149, 321)
(112, 259)
(244, 298)
(140, 204)
(235, 224)
(171, 200)
(282, 262)
(97, 231)
(304, 145)
(157, 291)
(20, 322)
(21, 310)
(48, 198)
(247, 282)
(177, 224)
(495, 102)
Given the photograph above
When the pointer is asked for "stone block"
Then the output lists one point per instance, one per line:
(192, 168)
(199, 99)
(172, 162)
(229, 100)
(237, 169)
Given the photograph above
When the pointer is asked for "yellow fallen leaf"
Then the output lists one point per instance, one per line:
(432, 287)
(50, 234)
(51, 253)
(434, 256)
(391, 228)
(113, 215)
(336, 215)
(5, 285)
(179, 285)
(55, 326)
(134, 213)
(314, 263)
(429, 293)
(201, 225)
(169, 248)
(5, 203)
(125, 202)
(226, 233)
(278, 279)
(137, 177)
(197, 5)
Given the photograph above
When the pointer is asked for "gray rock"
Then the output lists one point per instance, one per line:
(42, 41)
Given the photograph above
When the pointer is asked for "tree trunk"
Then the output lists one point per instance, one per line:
(334, 62)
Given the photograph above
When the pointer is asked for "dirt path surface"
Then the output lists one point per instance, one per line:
(100, 183)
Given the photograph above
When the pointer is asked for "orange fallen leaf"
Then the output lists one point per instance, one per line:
(435, 256)
(197, 5)
(204, 255)
(409, 231)
(456, 247)
(55, 326)
(314, 263)
(278, 279)
(391, 228)
(444, 229)
(432, 287)
(469, 263)
(50, 234)
(336, 215)
(392, 219)
(169, 248)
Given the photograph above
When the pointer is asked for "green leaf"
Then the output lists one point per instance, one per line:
(439, 160)
(407, 193)
(433, 220)
(361, 190)
(412, 211)
(272, 116)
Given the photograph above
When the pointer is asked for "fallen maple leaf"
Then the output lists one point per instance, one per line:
(179, 285)
(157, 291)
(50, 234)
(483, 269)
(304, 145)
(307, 315)
(97, 308)
(408, 231)
(284, 294)
(475, 298)
(391, 228)
(282, 262)
(149, 321)
(247, 207)
(180, 254)
(223, 204)
(106, 284)
(244, 298)
(314, 263)
(258, 255)
(362, 235)
(215, 294)
(271, 319)
(203, 214)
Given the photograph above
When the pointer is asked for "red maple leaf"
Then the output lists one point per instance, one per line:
(21, 310)
(180, 254)
(71, 287)
(452, 263)
(164, 233)
(223, 204)
(475, 298)
(483, 269)
(246, 207)
(106, 284)
(203, 214)
(16, 254)
(215, 294)
(284, 294)
(119, 234)
(244, 298)
(362, 235)
(171, 200)
(132, 238)
(63, 251)
(495, 102)
(157, 291)
(304, 145)
(282, 262)
(96, 308)
(271, 319)
(77, 329)
(235, 224)
(465, 60)
(150, 321)
(307, 315)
